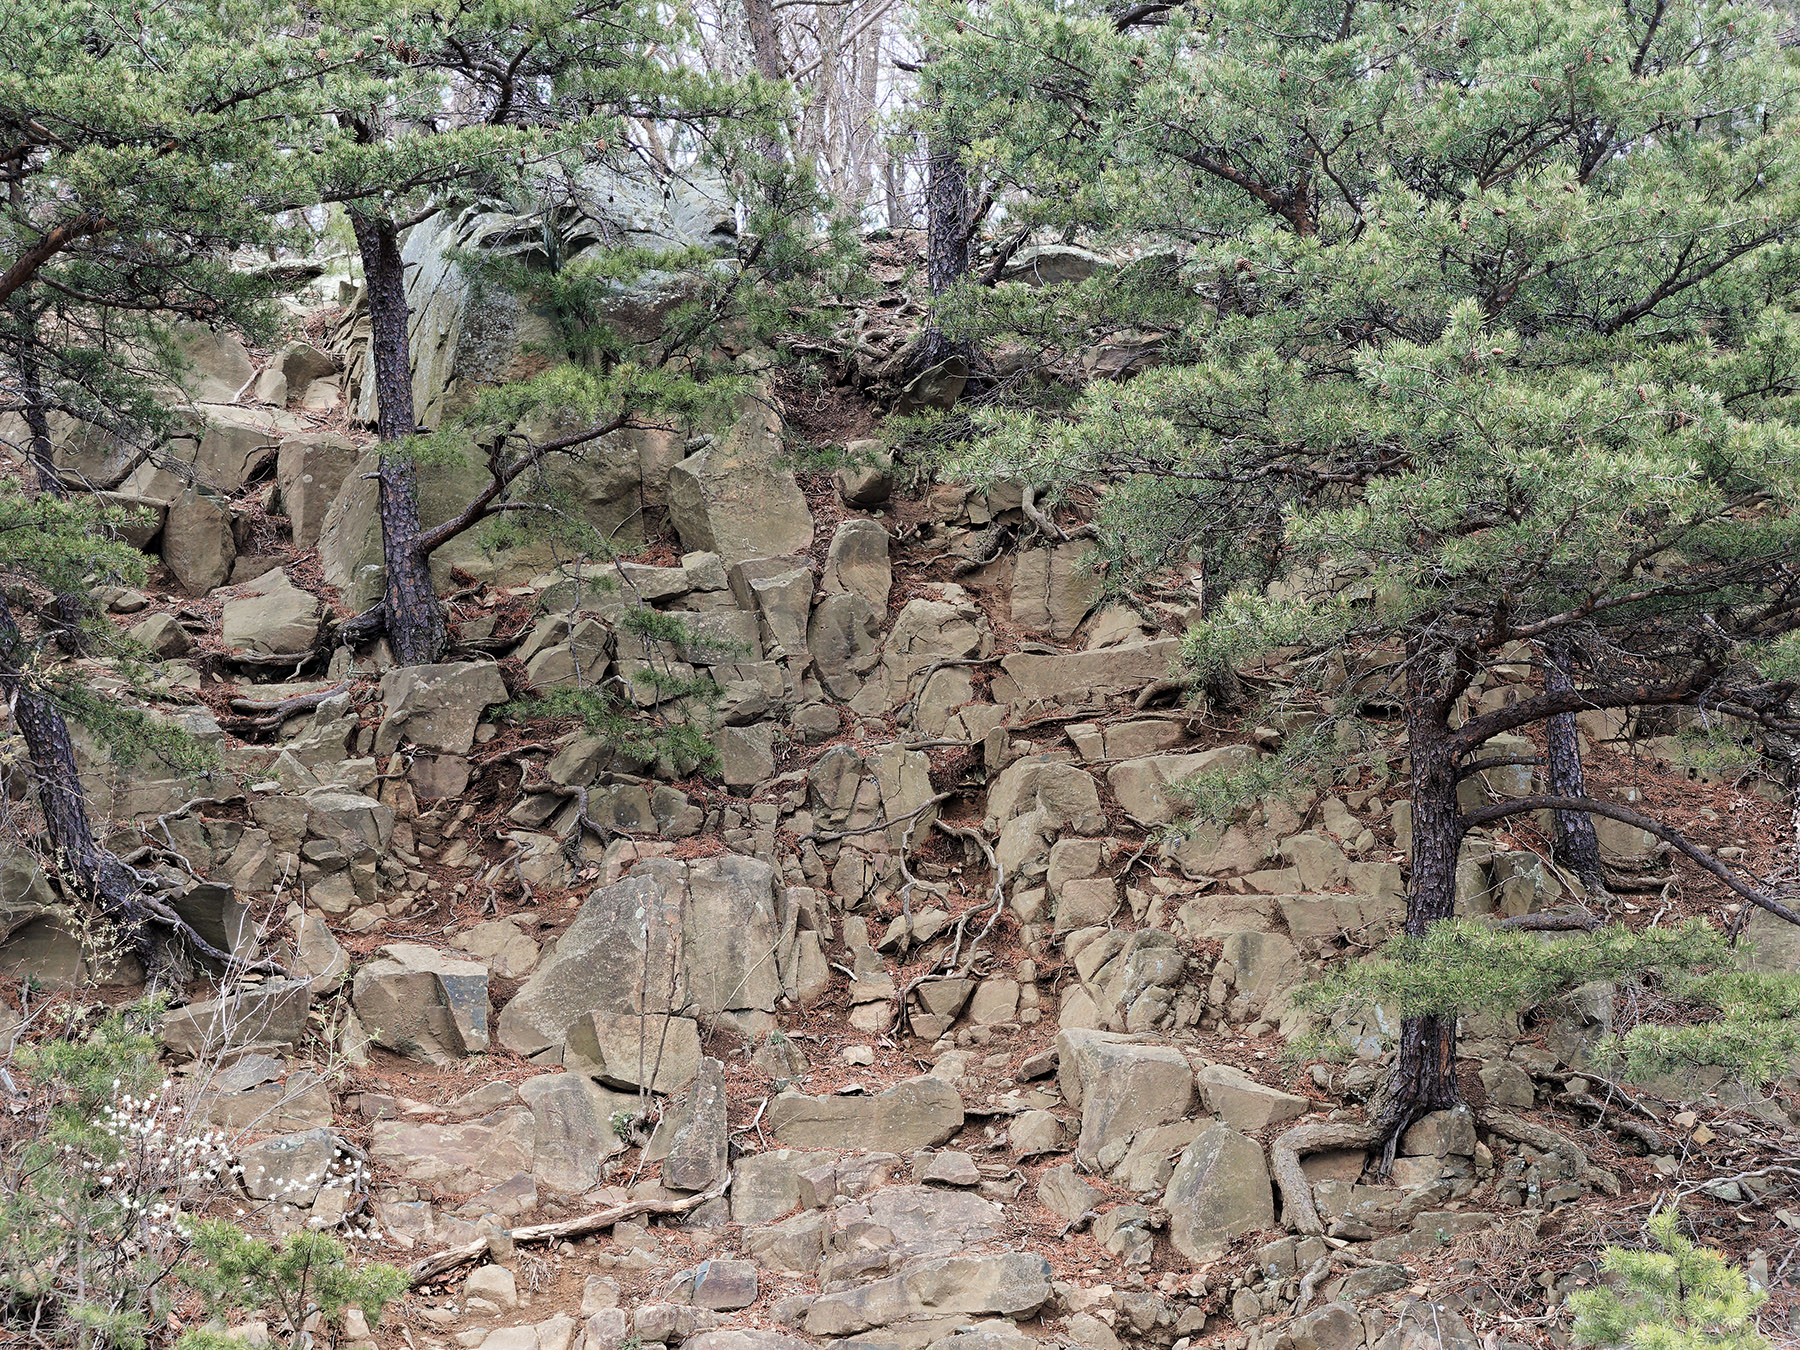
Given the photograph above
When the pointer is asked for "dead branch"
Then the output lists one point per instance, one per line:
(430, 1267)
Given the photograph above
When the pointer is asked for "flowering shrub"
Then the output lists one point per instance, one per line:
(105, 1170)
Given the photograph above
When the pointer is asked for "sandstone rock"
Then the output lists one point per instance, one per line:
(1054, 588)
(165, 637)
(698, 1141)
(1245, 1104)
(866, 481)
(311, 471)
(736, 498)
(460, 1158)
(721, 1285)
(422, 1004)
(270, 1015)
(1065, 793)
(288, 1167)
(713, 921)
(1079, 677)
(745, 1338)
(197, 545)
(274, 618)
(494, 1283)
(216, 366)
(629, 1049)
(746, 755)
(1033, 1133)
(857, 563)
(1142, 785)
(1440, 1134)
(1121, 1086)
(501, 947)
(918, 1113)
(844, 636)
(573, 1132)
(1011, 1284)
(1062, 1191)
(437, 708)
(1219, 1189)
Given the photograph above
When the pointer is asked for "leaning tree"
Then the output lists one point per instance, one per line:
(139, 145)
(1470, 341)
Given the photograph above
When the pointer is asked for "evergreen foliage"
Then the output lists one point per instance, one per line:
(1456, 333)
(1676, 1295)
(1462, 964)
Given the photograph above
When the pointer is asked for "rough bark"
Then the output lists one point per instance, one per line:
(68, 609)
(1424, 1075)
(411, 613)
(91, 875)
(946, 244)
(1575, 844)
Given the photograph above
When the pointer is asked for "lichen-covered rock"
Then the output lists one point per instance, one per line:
(1219, 1190)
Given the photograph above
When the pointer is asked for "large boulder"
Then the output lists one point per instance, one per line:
(310, 471)
(857, 563)
(1011, 1284)
(1053, 589)
(917, 1113)
(437, 708)
(197, 544)
(273, 618)
(703, 935)
(573, 1129)
(215, 366)
(602, 488)
(737, 498)
(1081, 677)
(1142, 786)
(460, 1158)
(1121, 1086)
(423, 1004)
(271, 1015)
(464, 337)
(1219, 1190)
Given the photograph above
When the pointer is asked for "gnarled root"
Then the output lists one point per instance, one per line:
(1299, 1210)
(1523, 1131)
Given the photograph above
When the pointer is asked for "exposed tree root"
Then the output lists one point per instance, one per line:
(1520, 1130)
(1299, 1210)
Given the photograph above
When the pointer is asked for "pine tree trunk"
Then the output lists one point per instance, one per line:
(1575, 844)
(39, 448)
(1424, 1074)
(68, 609)
(412, 615)
(92, 875)
(946, 243)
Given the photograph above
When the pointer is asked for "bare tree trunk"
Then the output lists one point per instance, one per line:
(1575, 844)
(1424, 1074)
(946, 243)
(411, 613)
(94, 877)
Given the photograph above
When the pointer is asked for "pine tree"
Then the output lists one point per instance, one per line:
(1677, 1295)
(498, 100)
(1472, 343)
(141, 144)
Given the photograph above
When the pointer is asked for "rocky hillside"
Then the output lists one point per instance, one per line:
(910, 1027)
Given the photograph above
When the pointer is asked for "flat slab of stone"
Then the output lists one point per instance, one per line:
(918, 1113)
